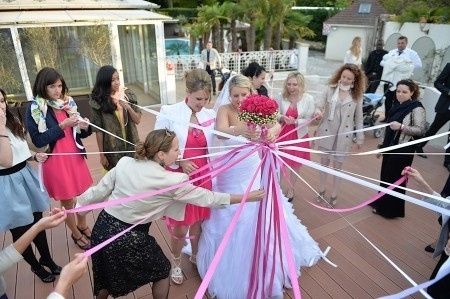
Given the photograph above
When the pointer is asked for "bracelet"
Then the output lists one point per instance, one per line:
(4, 136)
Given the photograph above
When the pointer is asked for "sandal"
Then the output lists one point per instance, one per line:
(333, 200)
(51, 265)
(83, 231)
(79, 242)
(176, 274)
(193, 259)
(320, 196)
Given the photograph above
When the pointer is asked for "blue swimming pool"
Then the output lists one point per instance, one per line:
(178, 46)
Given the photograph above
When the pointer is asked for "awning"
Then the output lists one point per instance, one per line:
(77, 16)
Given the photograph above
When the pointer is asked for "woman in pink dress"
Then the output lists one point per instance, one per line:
(296, 108)
(193, 143)
(53, 122)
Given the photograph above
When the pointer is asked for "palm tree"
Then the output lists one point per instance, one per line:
(233, 11)
(212, 16)
(295, 27)
(252, 15)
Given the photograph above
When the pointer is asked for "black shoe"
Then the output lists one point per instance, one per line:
(447, 166)
(421, 153)
(54, 268)
(429, 248)
(44, 275)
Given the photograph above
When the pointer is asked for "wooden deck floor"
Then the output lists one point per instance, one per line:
(362, 272)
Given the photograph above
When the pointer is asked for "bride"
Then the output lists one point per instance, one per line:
(232, 276)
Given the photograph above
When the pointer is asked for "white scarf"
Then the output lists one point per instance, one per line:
(335, 98)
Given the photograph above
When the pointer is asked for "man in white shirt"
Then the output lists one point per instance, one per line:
(397, 65)
(211, 60)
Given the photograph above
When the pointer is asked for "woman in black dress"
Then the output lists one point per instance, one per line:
(135, 258)
(407, 121)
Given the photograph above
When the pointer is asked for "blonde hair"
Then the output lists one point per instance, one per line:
(355, 49)
(198, 79)
(240, 81)
(157, 140)
(300, 80)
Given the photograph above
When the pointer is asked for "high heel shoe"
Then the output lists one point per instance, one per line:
(320, 196)
(54, 268)
(333, 200)
(43, 274)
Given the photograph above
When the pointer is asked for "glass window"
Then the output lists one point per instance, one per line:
(11, 81)
(365, 7)
(140, 62)
(76, 52)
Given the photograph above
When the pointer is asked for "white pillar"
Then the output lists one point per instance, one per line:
(302, 54)
(21, 62)
(162, 71)
(115, 50)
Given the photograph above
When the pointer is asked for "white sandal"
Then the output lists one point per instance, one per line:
(176, 274)
(193, 259)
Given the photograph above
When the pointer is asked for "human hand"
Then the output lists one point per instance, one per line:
(125, 105)
(41, 157)
(289, 120)
(104, 161)
(56, 217)
(71, 121)
(395, 125)
(255, 195)
(71, 273)
(318, 115)
(188, 166)
(83, 123)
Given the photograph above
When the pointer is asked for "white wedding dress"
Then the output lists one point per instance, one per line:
(231, 278)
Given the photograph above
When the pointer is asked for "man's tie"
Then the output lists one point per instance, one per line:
(207, 55)
(400, 52)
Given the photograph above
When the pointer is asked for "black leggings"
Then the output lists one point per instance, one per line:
(40, 241)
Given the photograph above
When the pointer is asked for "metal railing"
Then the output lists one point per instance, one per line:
(279, 60)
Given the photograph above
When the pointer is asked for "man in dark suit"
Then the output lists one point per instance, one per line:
(442, 84)
(373, 68)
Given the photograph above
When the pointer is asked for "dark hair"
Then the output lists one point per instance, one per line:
(46, 77)
(101, 93)
(157, 140)
(412, 86)
(359, 85)
(13, 123)
(254, 69)
(403, 37)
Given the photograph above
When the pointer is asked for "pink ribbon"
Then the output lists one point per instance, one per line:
(143, 195)
(366, 202)
(215, 262)
(296, 128)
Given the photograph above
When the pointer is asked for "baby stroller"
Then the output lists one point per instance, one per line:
(371, 102)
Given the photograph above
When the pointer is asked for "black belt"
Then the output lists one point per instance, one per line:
(14, 169)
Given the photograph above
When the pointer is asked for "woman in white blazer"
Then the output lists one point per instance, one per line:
(296, 108)
(193, 143)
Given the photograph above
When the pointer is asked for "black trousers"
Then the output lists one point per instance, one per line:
(212, 73)
(40, 241)
(441, 289)
(439, 121)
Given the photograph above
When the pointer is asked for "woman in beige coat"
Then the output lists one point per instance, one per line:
(341, 108)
